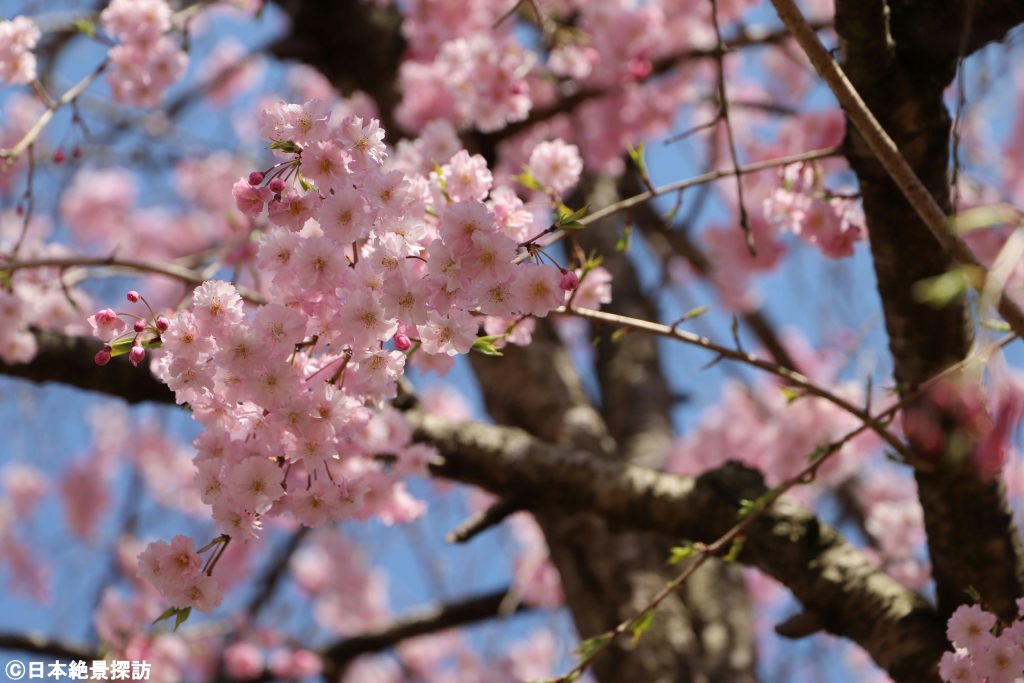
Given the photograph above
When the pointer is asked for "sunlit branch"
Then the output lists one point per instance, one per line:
(554, 233)
(11, 153)
(791, 377)
(170, 270)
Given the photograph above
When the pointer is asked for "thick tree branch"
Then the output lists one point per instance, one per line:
(635, 403)
(830, 577)
(930, 33)
(69, 360)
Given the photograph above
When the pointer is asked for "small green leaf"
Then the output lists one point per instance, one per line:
(691, 314)
(735, 549)
(591, 646)
(792, 394)
(182, 616)
(485, 345)
(996, 325)
(983, 217)
(167, 614)
(121, 347)
(286, 146)
(940, 290)
(637, 155)
(527, 179)
(618, 334)
(973, 592)
(680, 552)
(567, 218)
(820, 452)
(623, 243)
(641, 624)
(306, 185)
(85, 26)
(440, 176)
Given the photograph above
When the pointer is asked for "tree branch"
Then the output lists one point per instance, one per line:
(40, 645)
(69, 360)
(830, 577)
(430, 620)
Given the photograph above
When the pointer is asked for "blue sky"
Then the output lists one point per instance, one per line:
(47, 427)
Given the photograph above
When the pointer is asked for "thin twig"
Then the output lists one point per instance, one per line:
(169, 270)
(554, 234)
(791, 377)
(10, 154)
(485, 519)
(723, 117)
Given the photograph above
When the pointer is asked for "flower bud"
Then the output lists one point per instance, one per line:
(276, 185)
(402, 342)
(134, 296)
(102, 356)
(139, 325)
(136, 355)
(570, 281)
(162, 324)
(255, 178)
(58, 156)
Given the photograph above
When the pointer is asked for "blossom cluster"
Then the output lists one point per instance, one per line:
(17, 38)
(368, 266)
(831, 223)
(986, 650)
(176, 570)
(37, 297)
(983, 419)
(146, 61)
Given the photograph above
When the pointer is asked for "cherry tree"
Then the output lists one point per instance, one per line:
(646, 244)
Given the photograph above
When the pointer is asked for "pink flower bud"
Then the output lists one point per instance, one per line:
(136, 355)
(640, 67)
(276, 185)
(102, 356)
(139, 325)
(162, 324)
(58, 156)
(255, 178)
(402, 342)
(570, 281)
(134, 296)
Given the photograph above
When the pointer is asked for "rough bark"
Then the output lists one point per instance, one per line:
(831, 578)
(69, 360)
(972, 540)
(607, 576)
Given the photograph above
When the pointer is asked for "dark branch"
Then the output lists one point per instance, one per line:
(971, 536)
(69, 360)
(430, 620)
(40, 645)
(485, 519)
